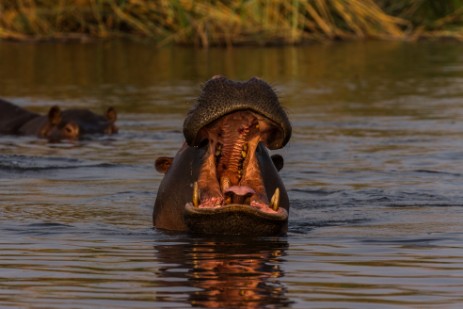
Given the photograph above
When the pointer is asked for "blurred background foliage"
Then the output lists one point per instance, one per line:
(231, 22)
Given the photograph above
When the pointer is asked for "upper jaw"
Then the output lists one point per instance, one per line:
(230, 172)
(221, 96)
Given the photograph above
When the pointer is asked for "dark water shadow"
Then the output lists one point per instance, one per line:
(224, 272)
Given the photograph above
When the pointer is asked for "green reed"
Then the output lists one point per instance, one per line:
(230, 22)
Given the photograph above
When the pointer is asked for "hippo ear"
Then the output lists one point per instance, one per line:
(111, 114)
(278, 161)
(54, 115)
(163, 164)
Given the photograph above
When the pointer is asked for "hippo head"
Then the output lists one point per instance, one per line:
(91, 123)
(56, 129)
(232, 185)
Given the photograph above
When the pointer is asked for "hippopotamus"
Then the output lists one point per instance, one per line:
(17, 120)
(91, 123)
(223, 180)
(57, 125)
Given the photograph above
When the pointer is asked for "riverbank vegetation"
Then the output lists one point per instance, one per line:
(231, 22)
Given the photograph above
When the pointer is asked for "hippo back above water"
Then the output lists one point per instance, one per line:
(19, 121)
(57, 125)
(222, 180)
(91, 123)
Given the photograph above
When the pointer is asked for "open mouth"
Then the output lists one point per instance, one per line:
(230, 175)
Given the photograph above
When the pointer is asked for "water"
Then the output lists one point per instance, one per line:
(374, 173)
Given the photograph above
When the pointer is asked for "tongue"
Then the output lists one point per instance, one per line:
(240, 190)
(238, 195)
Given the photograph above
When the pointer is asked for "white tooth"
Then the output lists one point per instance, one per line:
(275, 201)
(224, 183)
(195, 194)
(218, 150)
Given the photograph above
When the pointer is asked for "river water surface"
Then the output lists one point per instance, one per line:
(374, 172)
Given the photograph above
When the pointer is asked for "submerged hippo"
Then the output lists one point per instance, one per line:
(17, 120)
(57, 124)
(91, 123)
(222, 180)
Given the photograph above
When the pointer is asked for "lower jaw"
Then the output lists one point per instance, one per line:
(235, 219)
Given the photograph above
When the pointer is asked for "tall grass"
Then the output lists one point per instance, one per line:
(228, 22)
(429, 18)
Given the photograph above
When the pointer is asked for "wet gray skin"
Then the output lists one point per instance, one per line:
(91, 123)
(57, 125)
(19, 121)
(222, 180)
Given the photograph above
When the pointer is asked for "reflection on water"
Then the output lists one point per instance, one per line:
(226, 273)
(374, 173)
(141, 78)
